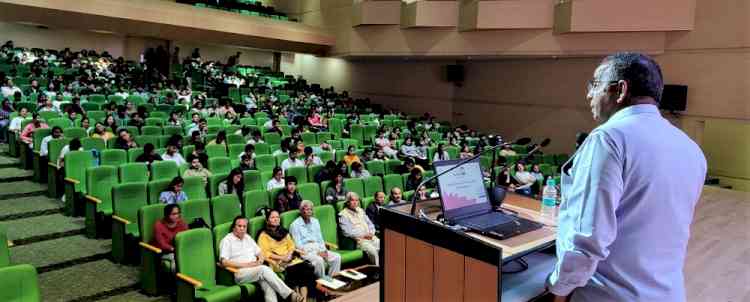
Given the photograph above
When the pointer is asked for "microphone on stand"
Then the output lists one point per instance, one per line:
(520, 141)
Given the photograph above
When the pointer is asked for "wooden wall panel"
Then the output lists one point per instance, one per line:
(395, 264)
(449, 276)
(480, 282)
(419, 271)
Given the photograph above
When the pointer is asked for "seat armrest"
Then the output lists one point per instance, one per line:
(53, 165)
(332, 246)
(189, 280)
(72, 181)
(120, 219)
(93, 199)
(227, 268)
(150, 247)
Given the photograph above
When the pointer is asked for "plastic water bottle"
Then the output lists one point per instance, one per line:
(549, 201)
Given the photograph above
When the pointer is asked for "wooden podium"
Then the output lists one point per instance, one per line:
(424, 260)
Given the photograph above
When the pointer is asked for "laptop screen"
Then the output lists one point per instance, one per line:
(462, 190)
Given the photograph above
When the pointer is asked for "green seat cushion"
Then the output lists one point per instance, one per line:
(349, 256)
(211, 293)
(105, 209)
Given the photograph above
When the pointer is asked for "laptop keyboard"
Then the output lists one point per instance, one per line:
(487, 221)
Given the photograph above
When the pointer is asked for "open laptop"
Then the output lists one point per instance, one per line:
(465, 202)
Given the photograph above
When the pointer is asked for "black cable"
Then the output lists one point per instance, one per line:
(520, 261)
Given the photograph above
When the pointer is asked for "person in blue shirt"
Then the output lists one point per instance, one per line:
(625, 218)
(309, 239)
(174, 192)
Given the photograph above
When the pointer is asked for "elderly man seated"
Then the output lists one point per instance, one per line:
(309, 238)
(356, 225)
(239, 250)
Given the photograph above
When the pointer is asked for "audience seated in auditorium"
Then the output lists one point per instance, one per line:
(74, 145)
(351, 156)
(174, 193)
(234, 184)
(149, 154)
(311, 159)
(507, 151)
(525, 180)
(288, 198)
(56, 133)
(238, 250)
(395, 196)
(356, 225)
(440, 153)
(124, 141)
(165, 230)
(336, 191)
(358, 170)
(283, 256)
(27, 133)
(277, 180)
(309, 238)
(172, 154)
(292, 161)
(196, 169)
(373, 209)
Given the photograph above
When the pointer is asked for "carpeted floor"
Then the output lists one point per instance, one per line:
(71, 267)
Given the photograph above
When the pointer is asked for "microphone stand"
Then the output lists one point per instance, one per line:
(431, 178)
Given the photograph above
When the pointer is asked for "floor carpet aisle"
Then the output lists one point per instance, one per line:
(71, 267)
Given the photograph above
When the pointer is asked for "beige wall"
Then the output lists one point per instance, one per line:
(250, 56)
(32, 36)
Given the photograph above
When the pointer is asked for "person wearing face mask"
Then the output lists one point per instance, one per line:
(618, 189)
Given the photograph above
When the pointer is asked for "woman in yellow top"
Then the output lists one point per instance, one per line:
(279, 251)
(351, 156)
(101, 132)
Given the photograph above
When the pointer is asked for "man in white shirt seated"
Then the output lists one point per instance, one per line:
(15, 123)
(44, 146)
(309, 238)
(173, 155)
(292, 161)
(238, 250)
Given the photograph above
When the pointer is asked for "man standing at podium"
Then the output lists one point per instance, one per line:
(628, 193)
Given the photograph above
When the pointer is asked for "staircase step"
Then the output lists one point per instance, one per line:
(21, 189)
(21, 230)
(77, 248)
(26, 207)
(88, 282)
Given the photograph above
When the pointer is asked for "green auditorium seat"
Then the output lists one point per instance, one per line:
(310, 191)
(216, 150)
(323, 137)
(335, 144)
(133, 172)
(235, 150)
(54, 175)
(19, 283)
(326, 215)
(172, 130)
(391, 181)
(255, 200)
(252, 180)
(219, 165)
(325, 156)
(142, 140)
(151, 130)
(76, 163)
(196, 208)
(372, 184)
(213, 183)
(155, 188)
(113, 157)
(126, 200)
(99, 183)
(272, 138)
(355, 185)
(154, 121)
(346, 142)
(194, 188)
(262, 148)
(224, 208)
(375, 167)
(133, 154)
(312, 171)
(309, 138)
(90, 143)
(152, 266)
(357, 133)
(196, 269)
(299, 172)
(235, 138)
(166, 169)
(4, 248)
(391, 166)
(74, 132)
(265, 162)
